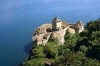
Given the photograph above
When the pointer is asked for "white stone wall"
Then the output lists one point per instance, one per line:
(58, 25)
(39, 42)
(46, 40)
(81, 29)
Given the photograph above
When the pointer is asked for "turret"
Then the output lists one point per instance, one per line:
(56, 23)
(79, 26)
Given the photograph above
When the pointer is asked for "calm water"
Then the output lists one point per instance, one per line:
(19, 18)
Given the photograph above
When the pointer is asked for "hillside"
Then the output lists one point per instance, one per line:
(79, 49)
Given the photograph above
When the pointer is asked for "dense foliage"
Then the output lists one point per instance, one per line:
(79, 49)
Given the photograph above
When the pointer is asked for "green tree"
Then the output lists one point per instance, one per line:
(38, 52)
(51, 50)
(34, 62)
(72, 40)
(83, 49)
(95, 38)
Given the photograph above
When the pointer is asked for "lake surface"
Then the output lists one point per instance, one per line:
(19, 19)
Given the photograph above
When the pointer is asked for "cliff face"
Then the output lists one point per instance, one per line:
(57, 29)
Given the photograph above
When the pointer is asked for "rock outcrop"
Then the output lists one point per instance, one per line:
(58, 29)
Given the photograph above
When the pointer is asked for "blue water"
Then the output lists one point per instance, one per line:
(19, 18)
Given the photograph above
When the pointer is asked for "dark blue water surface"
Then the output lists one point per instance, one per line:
(19, 18)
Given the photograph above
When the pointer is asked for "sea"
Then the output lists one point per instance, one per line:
(20, 18)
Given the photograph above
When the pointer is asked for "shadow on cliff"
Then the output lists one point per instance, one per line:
(28, 46)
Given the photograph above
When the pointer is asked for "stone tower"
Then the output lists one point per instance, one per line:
(56, 24)
(79, 26)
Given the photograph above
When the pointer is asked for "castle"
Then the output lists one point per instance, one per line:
(58, 28)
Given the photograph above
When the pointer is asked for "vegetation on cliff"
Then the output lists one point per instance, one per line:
(78, 50)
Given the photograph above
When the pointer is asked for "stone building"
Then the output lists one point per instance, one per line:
(64, 24)
(56, 24)
(79, 26)
(71, 30)
(57, 29)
